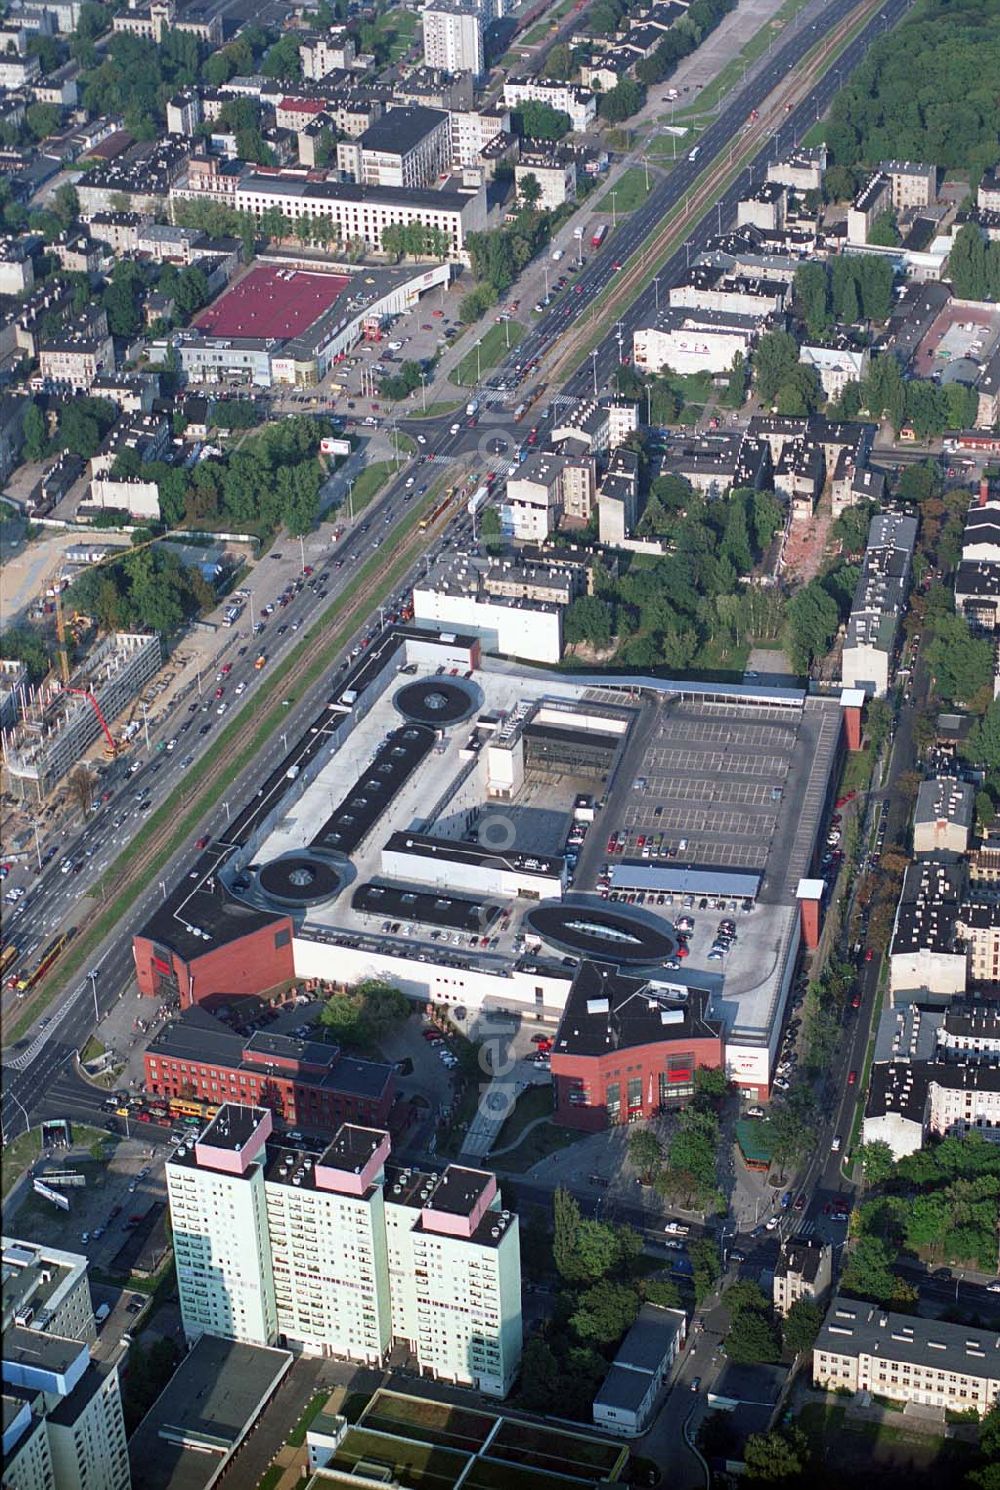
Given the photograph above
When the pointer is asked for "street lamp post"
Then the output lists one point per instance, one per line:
(479, 370)
(92, 975)
(423, 391)
(145, 725)
(614, 214)
(593, 360)
(38, 847)
(656, 291)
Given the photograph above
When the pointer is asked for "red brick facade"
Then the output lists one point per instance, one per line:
(624, 1085)
(250, 964)
(292, 1097)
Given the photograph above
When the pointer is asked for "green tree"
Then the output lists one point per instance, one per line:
(662, 1291)
(706, 1266)
(622, 101)
(884, 230)
(752, 1339)
(42, 119)
(800, 392)
(539, 121)
(121, 298)
(33, 429)
(812, 294)
(588, 619)
(539, 1374)
(282, 59)
(883, 391)
(710, 1082)
(66, 204)
(984, 740)
(605, 1312)
(774, 361)
(989, 1433)
(868, 1270)
(566, 1223)
(82, 426)
(646, 1152)
(801, 1325)
(811, 625)
(839, 184)
(19, 644)
(559, 63)
(473, 305)
(962, 663)
(877, 1162)
(776, 1458)
(365, 1013)
(529, 189)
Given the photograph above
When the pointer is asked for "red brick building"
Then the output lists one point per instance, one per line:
(247, 952)
(628, 1047)
(306, 1083)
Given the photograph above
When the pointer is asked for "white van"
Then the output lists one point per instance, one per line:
(557, 254)
(694, 153)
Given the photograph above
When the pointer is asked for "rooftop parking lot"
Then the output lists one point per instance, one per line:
(721, 786)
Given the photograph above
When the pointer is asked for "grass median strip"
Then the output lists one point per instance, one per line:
(188, 814)
(493, 347)
(629, 192)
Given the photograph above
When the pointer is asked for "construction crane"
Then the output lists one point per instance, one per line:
(112, 558)
(112, 746)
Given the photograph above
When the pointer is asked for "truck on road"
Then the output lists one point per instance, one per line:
(472, 408)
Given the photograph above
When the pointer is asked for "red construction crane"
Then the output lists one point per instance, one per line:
(88, 695)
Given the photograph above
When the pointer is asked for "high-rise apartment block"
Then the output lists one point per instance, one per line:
(63, 1427)
(219, 1220)
(453, 37)
(340, 1253)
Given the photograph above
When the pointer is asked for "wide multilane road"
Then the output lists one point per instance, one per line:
(50, 1044)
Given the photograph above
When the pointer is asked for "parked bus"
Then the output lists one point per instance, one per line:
(599, 235)
(188, 1107)
(55, 948)
(8, 954)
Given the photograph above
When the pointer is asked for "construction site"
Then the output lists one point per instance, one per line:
(59, 721)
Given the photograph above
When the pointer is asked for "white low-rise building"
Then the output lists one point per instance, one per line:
(836, 365)
(863, 1347)
(943, 817)
(629, 1393)
(508, 625)
(879, 600)
(692, 342)
(578, 103)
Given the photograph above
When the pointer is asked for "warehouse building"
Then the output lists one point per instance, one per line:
(285, 324)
